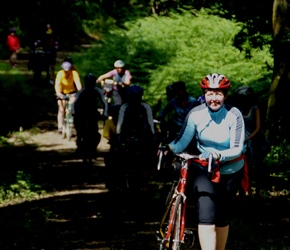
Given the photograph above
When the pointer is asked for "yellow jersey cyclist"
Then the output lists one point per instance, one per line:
(67, 82)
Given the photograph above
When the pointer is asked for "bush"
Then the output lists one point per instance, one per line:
(160, 50)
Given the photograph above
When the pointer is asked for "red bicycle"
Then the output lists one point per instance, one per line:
(173, 233)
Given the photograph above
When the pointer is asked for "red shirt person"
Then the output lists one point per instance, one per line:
(13, 46)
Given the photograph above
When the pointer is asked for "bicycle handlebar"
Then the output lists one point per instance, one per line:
(160, 160)
(185, 156)
(66, 96)
(108, 81)
(111, 82)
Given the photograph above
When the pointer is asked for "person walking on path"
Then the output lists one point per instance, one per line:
(86, 112)
(220, 131)
(13, 45)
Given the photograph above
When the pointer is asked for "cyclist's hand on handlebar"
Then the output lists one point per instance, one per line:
(61, 96)
(119, 83)
(166, 149)
(205, 155)
(158, 118)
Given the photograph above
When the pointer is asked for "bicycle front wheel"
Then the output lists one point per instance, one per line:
(175, 220)
(69, 131)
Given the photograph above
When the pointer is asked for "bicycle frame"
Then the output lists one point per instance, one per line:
(176, 207)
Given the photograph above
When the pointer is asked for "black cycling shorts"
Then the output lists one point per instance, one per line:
(214, 201)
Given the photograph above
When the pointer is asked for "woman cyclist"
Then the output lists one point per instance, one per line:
(67, 82)
(219, 129)
(122, 77)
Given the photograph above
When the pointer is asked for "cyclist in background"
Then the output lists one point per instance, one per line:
(122, 77)
(135, 136)
(256, 143)
(50, 46)
(201, 99)
(67, 82)
(177, 109)
(219, 130)
(128, 124)
(86, 111)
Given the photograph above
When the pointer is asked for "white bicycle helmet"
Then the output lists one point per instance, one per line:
(215, 81)
(119, 64)
(66, 66)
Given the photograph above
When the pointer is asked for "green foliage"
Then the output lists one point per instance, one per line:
(4, 142)
(279, 156)
(20, 188)
(160, 50)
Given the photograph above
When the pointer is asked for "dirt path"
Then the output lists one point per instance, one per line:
(77, 211)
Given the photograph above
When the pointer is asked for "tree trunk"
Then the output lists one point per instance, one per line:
(278, 118)
(155, 7)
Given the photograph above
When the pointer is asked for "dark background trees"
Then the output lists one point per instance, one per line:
(71, 18)
(152, 57)
(278, 117)
(76, 21)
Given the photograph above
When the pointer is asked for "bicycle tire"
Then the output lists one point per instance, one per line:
(174, 240)
(63, 134)
(69, 132)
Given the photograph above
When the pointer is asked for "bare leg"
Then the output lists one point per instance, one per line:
(207, 237)
(222, 237)
(60, 115)
(12, 59)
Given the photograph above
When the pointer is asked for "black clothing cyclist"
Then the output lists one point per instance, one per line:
(135, 135)
(46, 60)
(87, 110)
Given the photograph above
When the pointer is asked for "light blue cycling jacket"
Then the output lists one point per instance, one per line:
(222, 131)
